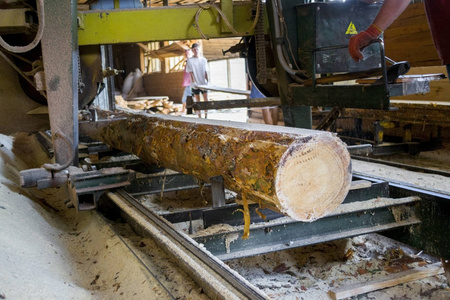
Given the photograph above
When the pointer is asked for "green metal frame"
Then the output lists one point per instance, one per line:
(159, 24)
(350, 96)
(14, 20)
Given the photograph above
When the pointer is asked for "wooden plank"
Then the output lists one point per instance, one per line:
(411, 11)
(344, 77)
(360, 184)
(409, 38)
(389, 281)
(144, 98)
(412, 112)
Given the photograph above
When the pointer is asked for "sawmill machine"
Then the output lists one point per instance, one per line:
(296, 51)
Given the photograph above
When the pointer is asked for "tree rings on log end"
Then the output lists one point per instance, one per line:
(313, 177)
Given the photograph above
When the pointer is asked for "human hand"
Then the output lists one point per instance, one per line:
(362, 40)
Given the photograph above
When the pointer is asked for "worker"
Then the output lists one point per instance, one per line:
(438, 14)
(186, 80)
(197, 66)
(270, 113)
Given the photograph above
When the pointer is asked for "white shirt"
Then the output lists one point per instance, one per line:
(198, 66)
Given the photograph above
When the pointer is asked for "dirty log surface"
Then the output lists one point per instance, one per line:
(301, 173)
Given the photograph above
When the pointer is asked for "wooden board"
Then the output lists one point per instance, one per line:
(409, 38)
(410, 112)
(389, 281)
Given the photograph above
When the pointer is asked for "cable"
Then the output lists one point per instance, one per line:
(37, 38)
(281, 58)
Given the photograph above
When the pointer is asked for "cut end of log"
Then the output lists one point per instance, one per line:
(313, 177)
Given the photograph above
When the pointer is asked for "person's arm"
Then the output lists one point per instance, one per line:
(389, 11)
(189, 69)
(206, 71)
(194, 84)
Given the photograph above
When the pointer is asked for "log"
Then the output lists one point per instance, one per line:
(301, 173)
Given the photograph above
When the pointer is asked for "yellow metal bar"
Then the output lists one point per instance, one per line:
(13, 20)
(227, 8)
(157, 24)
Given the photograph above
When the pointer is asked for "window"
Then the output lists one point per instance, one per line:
(175, 64)
(228, 73)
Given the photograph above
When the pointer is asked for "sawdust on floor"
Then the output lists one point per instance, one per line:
(50, 252)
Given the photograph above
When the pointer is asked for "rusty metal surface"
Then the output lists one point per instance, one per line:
(60, 56)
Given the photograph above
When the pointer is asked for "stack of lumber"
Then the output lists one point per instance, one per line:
(159, 104)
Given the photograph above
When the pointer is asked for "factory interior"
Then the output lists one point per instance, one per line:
(333, 182)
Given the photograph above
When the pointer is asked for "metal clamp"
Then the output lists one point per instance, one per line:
(58, 167)
(218, 191)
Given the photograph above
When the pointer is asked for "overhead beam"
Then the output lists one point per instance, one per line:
(158, 24)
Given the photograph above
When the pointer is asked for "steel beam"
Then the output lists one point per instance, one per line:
(158, 24)
(224, 104)
(216, 278)
(60, 56)
(14, 20)
(284, 233)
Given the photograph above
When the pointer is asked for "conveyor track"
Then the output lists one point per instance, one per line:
(217, 279)
(361, 213)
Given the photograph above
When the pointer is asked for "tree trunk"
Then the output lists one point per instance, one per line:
(301, 173)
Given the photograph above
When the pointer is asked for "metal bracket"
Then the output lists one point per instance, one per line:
(42, 178)
(83, 188)
(86, 188)
(218, 191)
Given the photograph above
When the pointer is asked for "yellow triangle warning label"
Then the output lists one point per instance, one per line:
(351, 29)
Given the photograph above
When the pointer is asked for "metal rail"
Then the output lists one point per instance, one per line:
(402, 166)
(219, 281)
(216, 278)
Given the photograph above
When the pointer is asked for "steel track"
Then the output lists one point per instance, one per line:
(216, 278)
(402, 166)
(196, 261)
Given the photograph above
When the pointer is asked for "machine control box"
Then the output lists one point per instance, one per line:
(324, 30)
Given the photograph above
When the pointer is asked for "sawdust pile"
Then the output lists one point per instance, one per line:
(50, 252)
(311, 272)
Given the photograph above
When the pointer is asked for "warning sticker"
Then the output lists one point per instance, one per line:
(351, 29)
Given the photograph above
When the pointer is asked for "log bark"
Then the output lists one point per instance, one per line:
(301, 173)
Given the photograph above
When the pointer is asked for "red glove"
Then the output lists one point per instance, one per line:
(362, 40)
